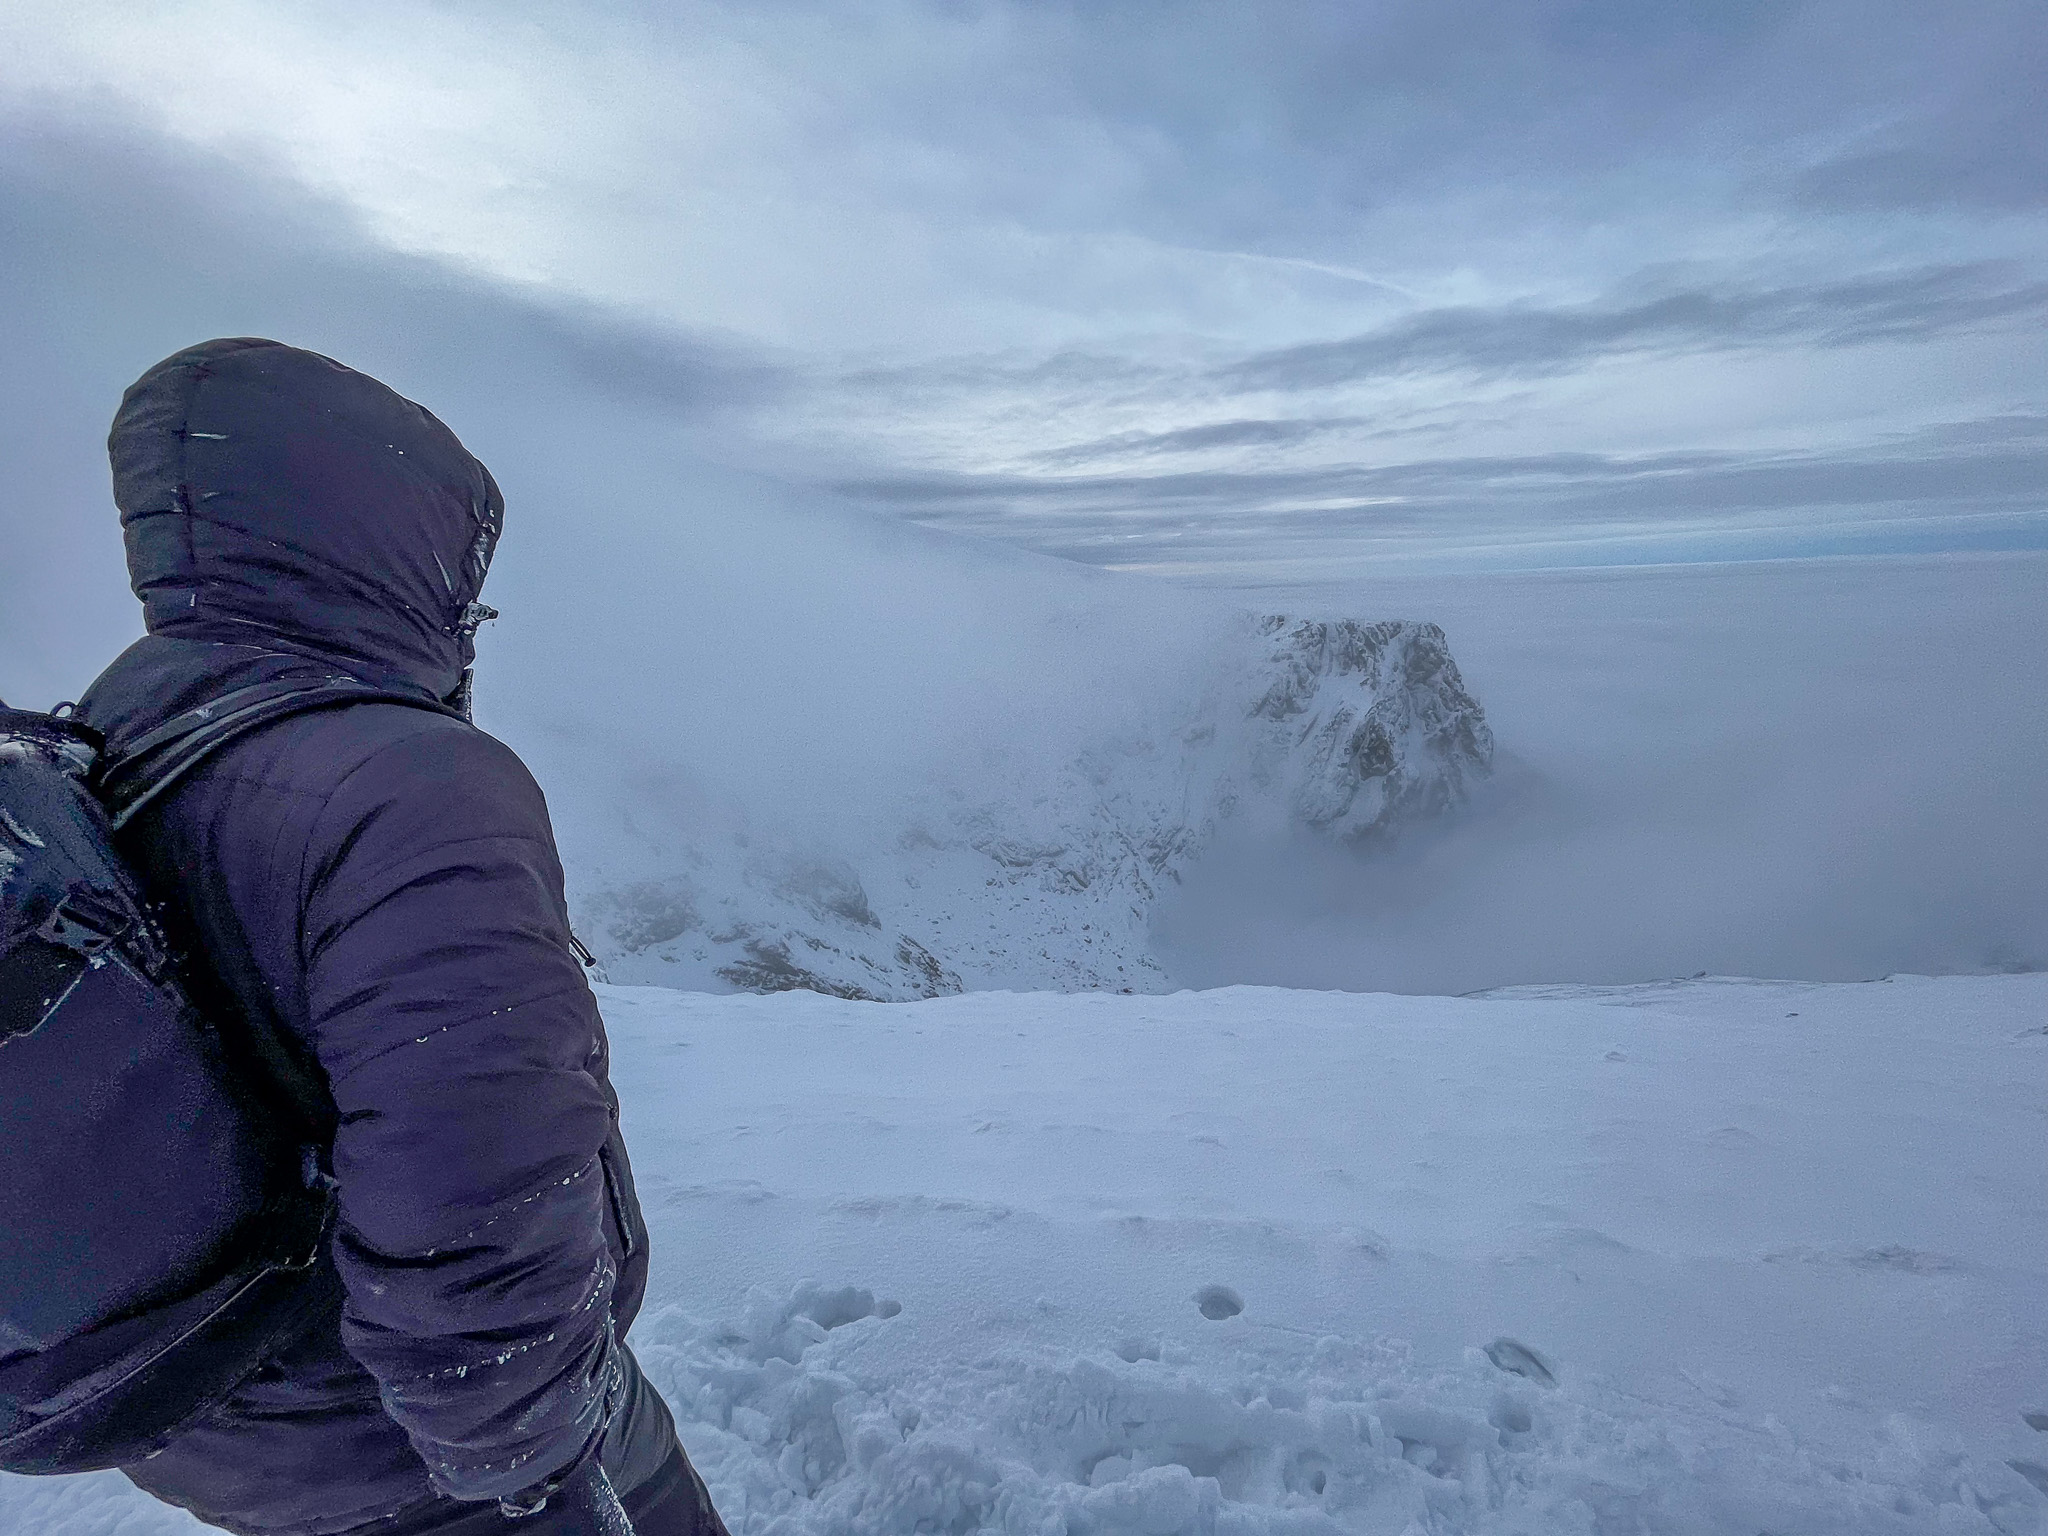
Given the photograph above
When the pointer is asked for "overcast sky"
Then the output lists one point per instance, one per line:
(1243, 289)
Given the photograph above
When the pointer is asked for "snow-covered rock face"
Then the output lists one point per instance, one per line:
(1028, 875)
(1369, 725)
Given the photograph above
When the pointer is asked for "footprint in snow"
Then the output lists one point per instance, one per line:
(1518, 1359)
(2033, 1472)
(1216, 1302)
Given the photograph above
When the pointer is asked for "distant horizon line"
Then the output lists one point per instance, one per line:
(1992, 535)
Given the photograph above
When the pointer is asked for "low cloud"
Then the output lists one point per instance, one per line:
(1840, 782)
(1827, 769)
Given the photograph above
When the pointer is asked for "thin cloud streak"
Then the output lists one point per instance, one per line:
(1220, 434)
(1527, 341)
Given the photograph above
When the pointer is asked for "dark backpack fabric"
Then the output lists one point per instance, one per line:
(162, 1203)
(382, 882)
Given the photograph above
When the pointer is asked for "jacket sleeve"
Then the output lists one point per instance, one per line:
(468, 1066)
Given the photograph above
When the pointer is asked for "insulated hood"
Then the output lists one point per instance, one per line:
(271, 496)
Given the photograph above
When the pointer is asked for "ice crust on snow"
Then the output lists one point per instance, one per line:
(942, 1266)
(1045, 876)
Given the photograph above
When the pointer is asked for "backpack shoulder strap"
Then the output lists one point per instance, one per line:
(157, 760)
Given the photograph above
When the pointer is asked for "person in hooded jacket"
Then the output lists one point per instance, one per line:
(379, 879)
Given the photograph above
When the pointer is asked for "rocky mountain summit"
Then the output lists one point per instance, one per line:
(1025, 877)
(1366, 727)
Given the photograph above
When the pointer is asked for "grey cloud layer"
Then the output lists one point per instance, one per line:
(1501, 342)
(1793, 195)
(1221, 434)
(1267, 124)
(1996, 467)
(1905, 306)
(1245, 484)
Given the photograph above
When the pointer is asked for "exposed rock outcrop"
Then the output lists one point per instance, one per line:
(1370, 725)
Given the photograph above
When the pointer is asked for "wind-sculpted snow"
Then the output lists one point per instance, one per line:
(1037, 873)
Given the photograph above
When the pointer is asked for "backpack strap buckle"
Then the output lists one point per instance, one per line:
(86, 924)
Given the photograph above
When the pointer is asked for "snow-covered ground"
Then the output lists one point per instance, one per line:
(1233, 1261)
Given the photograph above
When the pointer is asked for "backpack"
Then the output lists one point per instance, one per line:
(163, 1206)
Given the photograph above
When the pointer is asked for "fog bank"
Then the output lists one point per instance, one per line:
(1804, 769)
(1816, 769)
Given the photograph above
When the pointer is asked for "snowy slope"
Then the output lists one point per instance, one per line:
(1244, 1261)
(1027, 871)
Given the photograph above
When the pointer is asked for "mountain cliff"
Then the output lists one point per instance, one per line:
(1023, 875)
(1365, 726)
